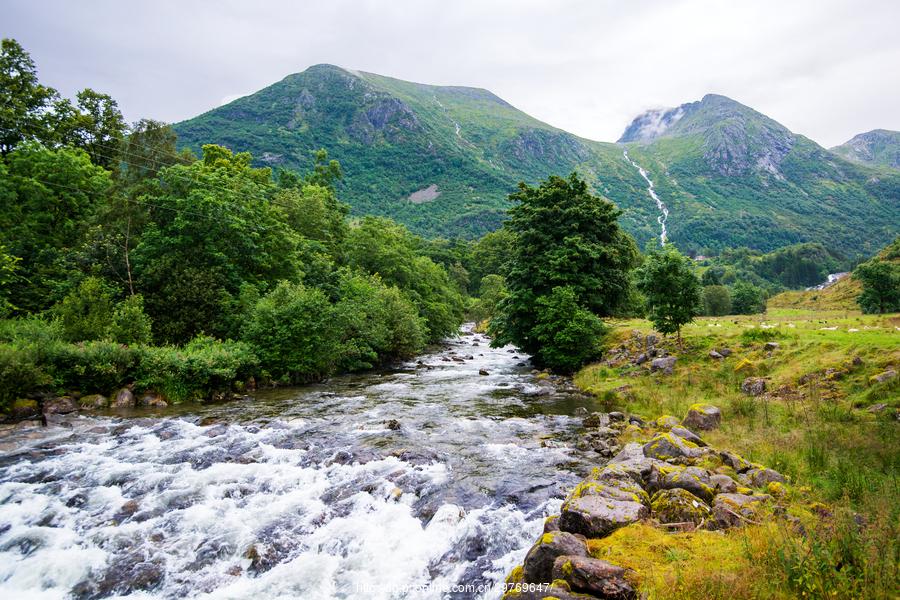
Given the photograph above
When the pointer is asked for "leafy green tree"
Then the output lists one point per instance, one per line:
(746, 299)
(672, 290)
(314, 212)
(8, 266)
(51, 197)
(712, 276)
(490, 255)
(294, 333)
(24, 102)
(881, 286)
(86, 313)
(716, 300)
(93, 124)
(568, 335)
(565, 237)
(212, 228)
(326, 173)
(490, 294)
(130, 324)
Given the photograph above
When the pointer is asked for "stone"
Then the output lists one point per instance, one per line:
(735, 461)
(771, 346)
(483, 372)
(722, 484)
(154, 400)
(667, 422)
(761, 477)
(613, 482)
(616, 416)
(580, 411)
(538, 565)
(60, 406)
(754, 386)
(735, 510)
(666, 365)
(687, 434)
(551, 524)
(597, 516)
(632, 460)
(24, 408)
(641, 359)
(93, 401)
(725, 352)
(651, 340)
(703, 416)
(666, 446)
(883, 377)
(595, 419)
(124, 399)
(693, 479)
(715, 355)
(678, 505)
(594, 576)
(877, 407)
(392, 424)
(636, 420)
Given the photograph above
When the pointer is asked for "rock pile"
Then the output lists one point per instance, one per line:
(674, 480)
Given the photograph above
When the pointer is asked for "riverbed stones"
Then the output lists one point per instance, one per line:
(633, 459)
(754, 386)
(392, 424)
(153, 400)
(678, 505)
(60, 406)
(665, 365)
(597, 516)
(594, 576)
(666, 446)
(595, 419)
(538, 566)
(703, 416)
(735, 510)
(124, 399)
(483, 372)
(615, 482)
(93, 401)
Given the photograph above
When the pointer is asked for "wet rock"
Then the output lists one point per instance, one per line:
(666, 365)
(693, 479)
(580, 411)
(667, 446)
(153, 400)
(703, 417)
(595, 419)
(538, 565)
(593, 576)
(722, 484)
(392, 424)
(124, 399)
(688, 435)
(725, 352)
(93, 401)
(597, 516)
(754, 386)
(678, 505)
(761, 477)
(60, 406)
(23, 409)
(616, 416)
(551, 524)
(483, 372)
(734, 510)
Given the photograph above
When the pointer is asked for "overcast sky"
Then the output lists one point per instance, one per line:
(823, 68)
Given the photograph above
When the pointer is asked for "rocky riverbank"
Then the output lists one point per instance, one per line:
(664, 476)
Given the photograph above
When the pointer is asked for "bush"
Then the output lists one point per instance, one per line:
(716, 301)
(86, 312)
(20, 373)
(568, 336)
(130, 324)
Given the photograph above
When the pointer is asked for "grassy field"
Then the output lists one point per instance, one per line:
(824, 421)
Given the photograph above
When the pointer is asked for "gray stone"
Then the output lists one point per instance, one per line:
(772, 346)
(60, 406)
(754, 386)
(154, 400)
(632, 459)
(761, 477)
(693, 479)
(715, 355)
(538, 565)
(885, 376)
(725, 352)
(594, 576)
(678, 505)
(666, 446)
(596, 516)
(93, 401)
(703, 416)
(124, 399)
(641, 359)
(722, 484)
(665, 364)
(688, 435)
(735, 461)
(734, 510)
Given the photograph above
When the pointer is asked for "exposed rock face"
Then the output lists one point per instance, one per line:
(596, 516)
(665, 364)
(754, 386)
(593, 576)
(678, 505)
(703, 416)
(876, 147)
(538, 566)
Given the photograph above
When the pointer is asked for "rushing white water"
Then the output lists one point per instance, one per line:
(663, 210)
(303, 493)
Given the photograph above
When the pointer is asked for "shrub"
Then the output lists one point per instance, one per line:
(130, 324)
(86, 312)
(20, 373)
(568, 335)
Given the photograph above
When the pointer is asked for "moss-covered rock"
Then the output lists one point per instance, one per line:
(678, 506)
(597, 516)
(538, 565)
(735, 461)
(693, 479)
(687, 434)
(666, 446)
(93, 401)
(667, 422)
(703, 417)
(735, 510)
(24, 408)
(594, 576)
(722, 484)
(761, 477)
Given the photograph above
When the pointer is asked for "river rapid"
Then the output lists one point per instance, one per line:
(309, 492)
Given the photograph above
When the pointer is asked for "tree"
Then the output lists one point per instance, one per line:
(23, 101)
(569, 335)
(746, 299)
(86, 313)
(8, 266)
(94, 124)
(881, 286)
(716, 300)
(130, 324)
(564, 237)
(672, 290)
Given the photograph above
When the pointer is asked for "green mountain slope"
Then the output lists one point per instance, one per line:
(879, 147)
(442, 160)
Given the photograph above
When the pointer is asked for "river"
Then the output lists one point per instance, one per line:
(307, 492)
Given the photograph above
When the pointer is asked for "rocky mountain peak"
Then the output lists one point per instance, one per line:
(876, 147)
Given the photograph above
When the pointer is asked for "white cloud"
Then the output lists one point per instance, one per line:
(823, 68)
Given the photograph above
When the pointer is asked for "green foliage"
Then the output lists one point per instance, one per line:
(881, 285)
(569, 335)
(87, 312)
(672, 289)
(23, 101)
(490, 294)
(747, 299)
(716, 300)
(294, 334)
(130, 324)
(565, 237)
(8, 266)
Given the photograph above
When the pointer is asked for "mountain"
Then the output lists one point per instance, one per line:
(442, 160)
(879, 147)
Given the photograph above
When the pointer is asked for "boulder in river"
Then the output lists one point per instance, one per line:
(124, 399)
(93, 401)
(60, 405)
(593, 576)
